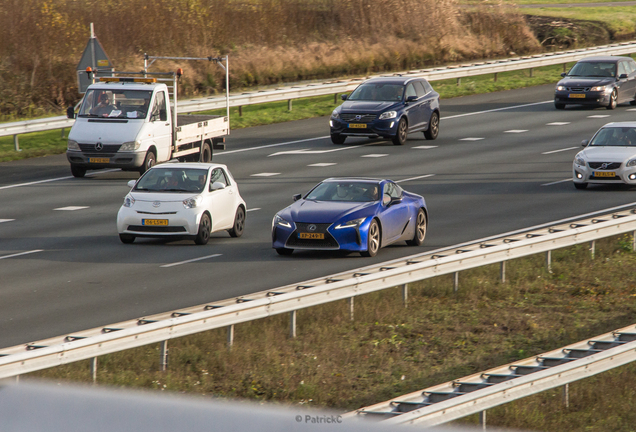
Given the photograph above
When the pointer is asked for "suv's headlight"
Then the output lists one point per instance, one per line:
(190, 203)
(598, 88)
(72, 145)
(560, 88)
(130, 146)
(335, 114)
(129, 201)
(388, 115)
(351, 224)
(631, 163)
(579, 160)
(280, 221)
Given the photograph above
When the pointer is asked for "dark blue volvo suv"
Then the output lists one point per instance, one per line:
(387, 107)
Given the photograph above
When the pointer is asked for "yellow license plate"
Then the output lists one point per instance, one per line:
(357, 126)
(604, 174)
(154, 222)
(311, 236)
(98, 160)
(577, 95)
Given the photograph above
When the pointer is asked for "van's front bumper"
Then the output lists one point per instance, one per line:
(94, 160)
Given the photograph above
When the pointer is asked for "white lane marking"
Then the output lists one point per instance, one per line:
(376, 155)
(271, 145)
(497, 109)
(425, 147)
(307, 151)
(471, 139)
(192, 260)
(560, 150)
(72, 208)
(557, 124)
(557, 182)
(52, 180)
(6, 220)
(598, 116)
(631, 109)
(323, 164)
(21, 253)
(516, 131)
(415, 178)
(266, 174)
(253, 209)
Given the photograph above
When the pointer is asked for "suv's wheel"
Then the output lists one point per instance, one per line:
(205, 227)
(338, 139)
(433, 127)
(402, 132)
(559, 105)
(613, 100)
(149, 162)
(78, 171)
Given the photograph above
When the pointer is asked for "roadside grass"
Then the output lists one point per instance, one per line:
(389, 350)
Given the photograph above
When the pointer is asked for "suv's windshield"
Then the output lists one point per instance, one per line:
(615, 137)
(173, 180)
(593, 69)
(129, 104)
(378, 92)
(345, 191)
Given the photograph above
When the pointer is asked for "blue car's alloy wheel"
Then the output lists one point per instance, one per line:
(402, 132)
(420, 230)
(373, 240)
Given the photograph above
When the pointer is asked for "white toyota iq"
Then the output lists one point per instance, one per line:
(183, 200)
(609, 157)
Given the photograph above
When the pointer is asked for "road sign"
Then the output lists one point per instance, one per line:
(93, 56)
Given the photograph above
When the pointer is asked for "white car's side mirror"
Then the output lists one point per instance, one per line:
(132, 183)
(217, 186)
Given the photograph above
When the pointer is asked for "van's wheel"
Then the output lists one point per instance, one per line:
(149, 162)
(78, 171)
(239, 223)
(206, 153)
(205, 227)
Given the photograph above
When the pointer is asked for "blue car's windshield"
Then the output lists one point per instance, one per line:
(593, 69)
(345, 191)
(615, 137)
(377, 92)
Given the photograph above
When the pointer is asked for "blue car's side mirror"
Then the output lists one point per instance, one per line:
(411, 98)
(297, 197)
(344, 96)
(563, 74)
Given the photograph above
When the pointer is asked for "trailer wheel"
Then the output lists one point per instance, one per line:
(149, 162)
(206, 152)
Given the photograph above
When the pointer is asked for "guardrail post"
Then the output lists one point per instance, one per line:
(240, 111)
(289, 105)
(495, 76)
(16, 144)
(459, 81)
(292, 324)
(566, 395)
(405, 294)
(94, 369)
(230, 336)
(530, 72)
(455, 282)
(502, 272)
(62, 135)
(592, 248)
(351, 308)
(163, 356)
(634, 241)
(482, 419)
(565, 66)
(335, 98)
(548, 261)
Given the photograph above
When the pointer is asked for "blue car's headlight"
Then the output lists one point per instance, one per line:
(388, 115)
(280, 221)
(335, 114)
(351, 224)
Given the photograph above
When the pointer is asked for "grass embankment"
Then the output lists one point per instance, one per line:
(388, 350)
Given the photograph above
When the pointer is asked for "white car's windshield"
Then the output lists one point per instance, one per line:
(378, 92)
(128, 104)
(593, 69)
(345, 191)
(173, 180)
(615, 137)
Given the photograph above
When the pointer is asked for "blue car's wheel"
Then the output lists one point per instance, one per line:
(433, 127)
(420, 230)
(373, 240)
(284, 251)
(402, 132)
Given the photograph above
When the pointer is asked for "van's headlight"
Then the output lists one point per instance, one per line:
(72, 145)
(388, 115)
(190, 203)
(130, 146)
(129, 201)
(351, 224)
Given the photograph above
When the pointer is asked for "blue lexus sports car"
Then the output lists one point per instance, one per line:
(351, 214)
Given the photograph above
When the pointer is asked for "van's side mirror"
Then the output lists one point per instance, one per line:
(70, 112)
(563, 74)
(163, 115)
(297, 197)
(344, 96)
(584, 143)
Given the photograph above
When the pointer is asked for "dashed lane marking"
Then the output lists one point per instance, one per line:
(6, 220)
(471, 139)
(253, 209)
(72, 208)
(415, 178)
(516, 131)
(21, 253)
(557, 182)
(598, 116)
(266, 174)
(425, 147)
(322, 164)
(376, 155)
(560, 150)
(191, 260)
(557, 124)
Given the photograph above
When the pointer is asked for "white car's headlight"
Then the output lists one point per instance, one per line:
(280, 221)
(129, 201)
(598, 88)
(560, 88)
(579, 160)
(130, 146)
(72, 145)
(388, 115)
(351, 224)
(631, 163)
(335, 114)
(193, 202)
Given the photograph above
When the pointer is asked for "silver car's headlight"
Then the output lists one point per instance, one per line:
(190, 203)
(351, 224)
(631, 163)
(130, 146)
(579, 160)
(129, 201)
(280, 221)
(335, 114)
(388, 115)
(72, 145)
(560, 88)
(598, 88)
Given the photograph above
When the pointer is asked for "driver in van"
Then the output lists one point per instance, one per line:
(103, 107)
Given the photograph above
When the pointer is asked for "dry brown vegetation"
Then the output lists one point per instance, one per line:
(268, 41)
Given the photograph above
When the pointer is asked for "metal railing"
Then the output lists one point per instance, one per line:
(121, 336)
(346, 85)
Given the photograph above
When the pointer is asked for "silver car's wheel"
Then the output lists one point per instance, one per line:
(373, 240)
(613, 100)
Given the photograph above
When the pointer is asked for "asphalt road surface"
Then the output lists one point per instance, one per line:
(502, 162)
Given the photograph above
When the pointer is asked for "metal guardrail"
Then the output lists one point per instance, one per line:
(344, 86)
(92, 343)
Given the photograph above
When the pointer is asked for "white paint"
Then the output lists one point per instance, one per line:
(322, 164)
(253, 209)
(560, 150)
(425, 147)
(471, 139)
(21, 253)
(269, 145)
(6, 220)
(497, 109)
(376, 155)
(516, 131)
(557, 182)
(598, 116)
(307, 151)
(266, 174)
(192, 260)
(557, 124)
(71, 208)
(415, 178)
(631, 109)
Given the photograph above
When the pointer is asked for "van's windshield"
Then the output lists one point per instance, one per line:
(120, 103)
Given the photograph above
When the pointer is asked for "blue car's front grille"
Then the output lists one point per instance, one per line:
(328, 242)
(352, 118)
